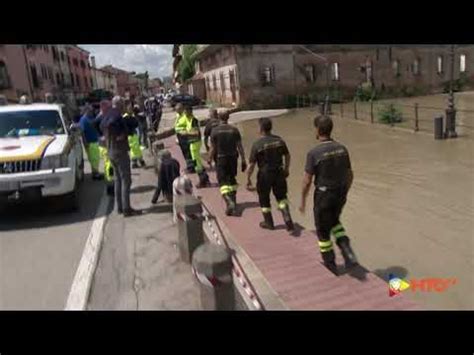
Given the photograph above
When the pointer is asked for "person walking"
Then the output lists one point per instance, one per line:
(268, 152)
(105, 106)
(142, 127)
(330, 165)
(180, 127)
(226, 146)
(90, 138)
(116, 132)
(136, 153)
(212, 122)
(193, 133)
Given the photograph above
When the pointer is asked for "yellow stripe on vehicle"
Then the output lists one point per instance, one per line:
(37, 154)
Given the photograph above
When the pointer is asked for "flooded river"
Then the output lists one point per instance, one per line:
(411, 208)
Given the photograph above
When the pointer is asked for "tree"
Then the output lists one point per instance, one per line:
(186, 65)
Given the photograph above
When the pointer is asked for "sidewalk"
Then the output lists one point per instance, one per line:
(293, 266)
(139, 266)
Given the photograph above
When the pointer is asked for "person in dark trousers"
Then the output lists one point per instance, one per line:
(168, 171)
(330, 165)
(268, 152)
(90, 138)
(116, 133)
(226, 146)
(212, 122)
(133, 141)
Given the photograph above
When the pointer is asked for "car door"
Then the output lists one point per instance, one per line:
(75, 138)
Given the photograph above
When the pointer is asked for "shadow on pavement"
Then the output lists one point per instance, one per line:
(160, 208)
(241, 207)
(48, 212)
(142, 188)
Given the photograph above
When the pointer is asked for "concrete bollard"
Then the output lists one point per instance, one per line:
(181, 186)
(190, 231)
(212, 266)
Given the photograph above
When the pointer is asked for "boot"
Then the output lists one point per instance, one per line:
(287, 218)
(329, 259)
(230, 205)
(203, 180)
(134, 164)
(233, 196)
(347, 253)
(267, 222)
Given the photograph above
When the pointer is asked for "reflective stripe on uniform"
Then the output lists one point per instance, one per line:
(266, 209)
(338, 231)
(282, 204)
(233, 188)
(225, 189)
(325, 246)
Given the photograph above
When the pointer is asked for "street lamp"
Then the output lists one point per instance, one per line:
(451, 111)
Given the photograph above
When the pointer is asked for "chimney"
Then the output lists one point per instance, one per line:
(93, 61)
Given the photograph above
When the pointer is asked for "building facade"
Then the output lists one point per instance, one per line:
(267, 75)
(127, 84)
(14, 76)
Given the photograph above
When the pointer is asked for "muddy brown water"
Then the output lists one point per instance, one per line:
(410, 210)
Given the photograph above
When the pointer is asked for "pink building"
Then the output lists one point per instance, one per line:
(80, 71)
(14, 77)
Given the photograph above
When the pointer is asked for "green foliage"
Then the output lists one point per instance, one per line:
(390, 114)
(458, 84)
(365, 92)
(186, 65)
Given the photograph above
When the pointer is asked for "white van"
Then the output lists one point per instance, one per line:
(40, 154)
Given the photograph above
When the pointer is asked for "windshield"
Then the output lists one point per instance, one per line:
(30, 123)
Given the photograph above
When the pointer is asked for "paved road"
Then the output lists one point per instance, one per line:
(40, 249)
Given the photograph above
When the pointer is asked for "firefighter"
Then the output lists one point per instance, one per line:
(193, 133)
(226, 146)
(330, 165)
(136, 154)
(212, 122)
(168, 172)
(268, 153)
(180, 126)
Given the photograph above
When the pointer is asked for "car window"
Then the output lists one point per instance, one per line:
(30, 123)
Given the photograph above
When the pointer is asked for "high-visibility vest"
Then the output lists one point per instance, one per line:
(191, 129)
(180, 124)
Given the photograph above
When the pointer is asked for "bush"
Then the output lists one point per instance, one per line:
(458, 84)
(365, 92)
(390, 114)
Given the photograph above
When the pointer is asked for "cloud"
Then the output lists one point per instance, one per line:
(139, 58)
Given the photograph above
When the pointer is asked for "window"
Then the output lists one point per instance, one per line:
(78, 83)
(416, 67)
(44, 74)
(335, 71)
(462, 63)
(92, 83)
(4, 80)
(34, 76)
(72, 79)
(83, 66)
(75, 62)
(377, 54)
(58, 79)
(268, 76)
(390, 53)
(310, 75)
(197, 66)
(208, 84)
(62, 79)
(50, 73)
(63, 57)
(396, 67)
(439, 64)
(55, 54)
(214, 82)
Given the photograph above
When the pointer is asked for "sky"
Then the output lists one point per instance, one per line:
(138, 58)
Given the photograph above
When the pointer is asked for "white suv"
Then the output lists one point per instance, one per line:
(40, 154)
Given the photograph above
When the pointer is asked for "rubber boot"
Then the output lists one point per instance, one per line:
(230, 205)
(287, 218)
(347, 253)
(203, 180)
(267, 222)
(329, 259)
(233, 196)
